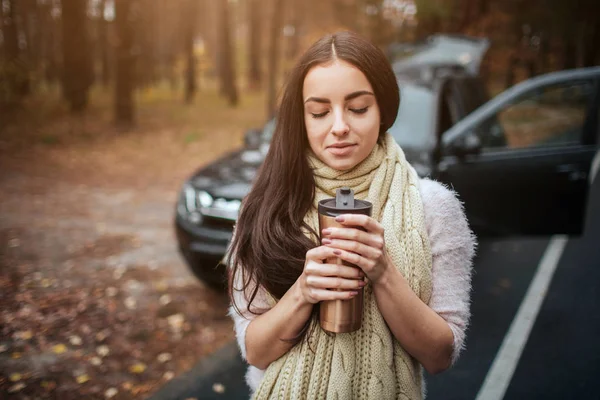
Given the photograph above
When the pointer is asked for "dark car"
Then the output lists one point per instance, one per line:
(521, 162)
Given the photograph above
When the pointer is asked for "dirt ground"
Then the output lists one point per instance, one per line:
(96, 301)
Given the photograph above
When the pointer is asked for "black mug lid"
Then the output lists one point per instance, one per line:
(344, 203)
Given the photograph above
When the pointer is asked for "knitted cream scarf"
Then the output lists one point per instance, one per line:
(368, 363)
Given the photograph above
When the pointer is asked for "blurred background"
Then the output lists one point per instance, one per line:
(108, 108)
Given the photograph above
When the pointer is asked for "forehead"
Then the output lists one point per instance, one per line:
(338, 78)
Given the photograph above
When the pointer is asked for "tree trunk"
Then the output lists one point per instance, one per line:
(16, 72)
(227, 71)
(591, 54)
(254, 53)
(276, 18)
(569, 50)
(124, 71)
(189, 36)
(468, 15)
(103, 44)
(76, 60)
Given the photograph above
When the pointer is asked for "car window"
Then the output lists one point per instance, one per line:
(546, 116)
(415, 124)
(268, 130)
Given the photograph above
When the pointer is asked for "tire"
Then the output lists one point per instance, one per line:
(208, 270)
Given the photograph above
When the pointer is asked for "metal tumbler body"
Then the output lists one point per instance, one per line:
(340, 316)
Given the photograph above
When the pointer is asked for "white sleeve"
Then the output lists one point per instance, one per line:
(453, 246)
(245, 312)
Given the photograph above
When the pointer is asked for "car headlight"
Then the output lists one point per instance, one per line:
(205, 199)
(189, 194)
(195, 204)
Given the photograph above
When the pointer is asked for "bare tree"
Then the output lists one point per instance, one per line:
(254, 48)
(102, 45)
(274, 38)
(226, 55)
(124, 108)
(76, 60)
(189, 18)
(14, 72)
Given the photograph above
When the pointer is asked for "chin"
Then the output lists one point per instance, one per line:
(342, 165)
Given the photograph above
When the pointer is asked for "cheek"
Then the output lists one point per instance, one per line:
(315, 129)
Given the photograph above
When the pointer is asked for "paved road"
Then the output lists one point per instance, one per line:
(560, 356)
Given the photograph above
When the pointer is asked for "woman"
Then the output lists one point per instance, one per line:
(415, 252)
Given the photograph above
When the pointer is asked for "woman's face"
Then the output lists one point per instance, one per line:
(341, 114)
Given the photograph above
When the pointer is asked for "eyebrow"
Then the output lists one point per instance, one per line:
(348, 97)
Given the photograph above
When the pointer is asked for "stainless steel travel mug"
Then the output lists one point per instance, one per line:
(341, 316)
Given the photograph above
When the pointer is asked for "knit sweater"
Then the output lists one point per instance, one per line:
(452, 246)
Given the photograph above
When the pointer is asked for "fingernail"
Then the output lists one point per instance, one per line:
(339, 218)
(362, 283)
(326, 231)
(326, 241)
(353, 293)
(337, 252)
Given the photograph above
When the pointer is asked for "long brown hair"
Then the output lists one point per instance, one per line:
(269, 246)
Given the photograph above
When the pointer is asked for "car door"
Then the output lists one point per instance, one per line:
(521, 162)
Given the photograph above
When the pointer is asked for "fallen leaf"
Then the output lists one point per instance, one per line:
(127, 385)
(95, 361)
(164, 357)
(15, 377)
(137, 368)
(23, 335)
(16, 388)
(218, 388)
(110, 393)
(46, 282)
(59, 349)
(16, 355)
(82, 378)
(168, 375)
(14, 242)
(164, 300)
(111, 291)
(3, 348)
(48, 384)
(161, 286)
(100, 336)
(75, 340)
(130, 303)
(102, 350)
(175, 321)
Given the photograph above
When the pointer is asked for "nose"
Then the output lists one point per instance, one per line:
(340, 126)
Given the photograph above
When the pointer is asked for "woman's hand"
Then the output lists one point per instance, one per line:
(319, 277)
(363, 249)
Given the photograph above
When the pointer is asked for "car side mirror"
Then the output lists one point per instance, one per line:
(468, 144)
(252, 139)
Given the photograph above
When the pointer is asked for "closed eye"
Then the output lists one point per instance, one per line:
(319, 115)
(359, 110)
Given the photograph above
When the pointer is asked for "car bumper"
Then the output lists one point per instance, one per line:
(202, 241)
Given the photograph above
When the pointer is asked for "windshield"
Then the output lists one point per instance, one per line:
(414, 125)
(268, 130)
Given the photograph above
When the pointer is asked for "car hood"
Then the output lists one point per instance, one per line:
(231, 176)
(462, 50)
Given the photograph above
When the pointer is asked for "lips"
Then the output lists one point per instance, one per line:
(341, 149)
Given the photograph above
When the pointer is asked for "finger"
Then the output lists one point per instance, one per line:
(363, 263)
(369, 223)
(369, 239)
(320, 253)
(325, 295)
(354, 247)
(335, 270)
(335, 283)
